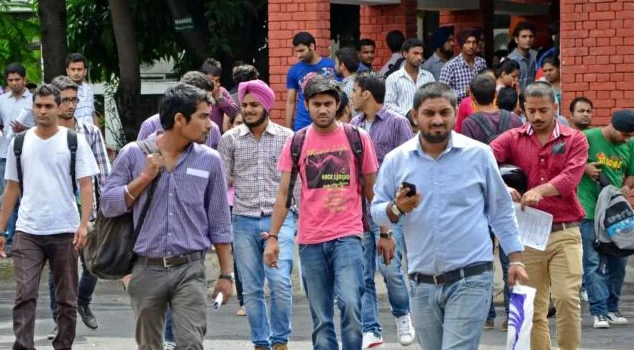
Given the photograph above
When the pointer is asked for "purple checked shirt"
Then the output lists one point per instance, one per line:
(189, 211)
(153, 124)
(388, 131)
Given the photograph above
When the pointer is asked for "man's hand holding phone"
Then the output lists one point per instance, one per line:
(406, 197)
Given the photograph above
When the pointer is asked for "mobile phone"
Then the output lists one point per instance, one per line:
(412, 189)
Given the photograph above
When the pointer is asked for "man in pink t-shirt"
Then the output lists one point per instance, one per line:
(330, 217)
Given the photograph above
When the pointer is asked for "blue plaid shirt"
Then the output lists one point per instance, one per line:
(458, 74)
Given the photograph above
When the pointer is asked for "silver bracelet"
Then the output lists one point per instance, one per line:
(128, 192)
(518, 263)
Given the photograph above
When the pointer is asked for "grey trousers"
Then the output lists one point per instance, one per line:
(184, 288)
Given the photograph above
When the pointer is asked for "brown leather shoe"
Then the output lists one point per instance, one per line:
(280, 347)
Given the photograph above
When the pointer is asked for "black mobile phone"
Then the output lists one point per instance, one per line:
(412, 189)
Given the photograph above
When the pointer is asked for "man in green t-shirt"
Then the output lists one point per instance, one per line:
(611, 156)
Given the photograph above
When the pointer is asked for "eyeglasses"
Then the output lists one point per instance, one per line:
(68, 100)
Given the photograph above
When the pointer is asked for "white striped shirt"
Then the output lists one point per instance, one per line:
(86, 106)
(400, 89)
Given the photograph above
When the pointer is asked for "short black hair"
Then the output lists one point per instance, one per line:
(181, 98)
(435, 89)
(198, 80)
(48, 90)
(348, 56)
(574, 102)
(468, 33)
(365, 42)
(374, 84)
(244, 72)
(320, 84)
(553, 60)
(525, 25)
(410, 43)
(211, 67)
(482, 89)
(304, 38)
(63, 82)
(507, 66)
(486, 71)
(395, 40)
(14, 68)
(76, 57)
(507, 99)
(521, 99)
(342, 106)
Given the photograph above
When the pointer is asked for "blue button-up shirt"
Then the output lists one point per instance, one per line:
(12, 108)
(528, 67)
(462, 195)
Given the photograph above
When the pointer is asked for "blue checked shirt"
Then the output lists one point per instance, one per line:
(458, 74)
(93, 137)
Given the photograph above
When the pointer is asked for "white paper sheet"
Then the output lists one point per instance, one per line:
(535, 226)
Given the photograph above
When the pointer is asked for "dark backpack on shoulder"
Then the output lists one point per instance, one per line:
(109, 251)
(487, 129)
(18, 144)
(354, 138)
(391, 68)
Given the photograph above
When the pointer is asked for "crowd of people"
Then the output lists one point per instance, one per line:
(373, 169)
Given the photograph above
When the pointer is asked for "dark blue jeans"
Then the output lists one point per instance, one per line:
(504, 261)
(87, 284)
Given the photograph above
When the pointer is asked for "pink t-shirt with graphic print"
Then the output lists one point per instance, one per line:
(330, 203)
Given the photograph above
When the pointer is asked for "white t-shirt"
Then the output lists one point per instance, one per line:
(48, 205)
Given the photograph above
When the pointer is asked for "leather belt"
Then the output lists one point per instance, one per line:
(565, 225)
(171, 261)
(452, 276)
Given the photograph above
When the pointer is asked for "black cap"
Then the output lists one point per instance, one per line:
(623, 120)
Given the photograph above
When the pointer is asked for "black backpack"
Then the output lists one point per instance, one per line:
(487, 129)
(354, 138)
(71, 139)
(394, 67)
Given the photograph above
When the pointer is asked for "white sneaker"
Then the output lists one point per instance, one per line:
(168, 345)
(405, 330)
(601, 321)
(371, 340)
(616, 318)
(583, 295)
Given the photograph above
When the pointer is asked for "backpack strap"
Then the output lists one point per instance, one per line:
(148, 146)
(505, 120)
(18, 144)
(71, 139)
(489, 133)
(297, 143)
(354, 138)
(394, 66)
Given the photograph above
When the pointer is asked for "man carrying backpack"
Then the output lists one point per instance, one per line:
(45, 172)
(337, 165)
(610, 157)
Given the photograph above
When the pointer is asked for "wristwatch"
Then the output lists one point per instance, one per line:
(395, 210)
(230, 277)
(387, 235)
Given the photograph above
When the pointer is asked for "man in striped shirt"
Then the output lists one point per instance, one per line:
(93, 137)
(387, 130)
(77, 69)
(189, 213)
(401, 86)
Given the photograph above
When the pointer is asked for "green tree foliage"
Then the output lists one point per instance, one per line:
(18, 42)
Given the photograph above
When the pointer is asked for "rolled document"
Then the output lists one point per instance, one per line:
(218, 301)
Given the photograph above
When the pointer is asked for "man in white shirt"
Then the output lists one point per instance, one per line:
(76, 69)
(15, 116)
(49, 225)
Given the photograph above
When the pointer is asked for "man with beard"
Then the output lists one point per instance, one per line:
(446, 219)
(249, 153)
(460, 70)
(49, 226)
(554, 157)
(309, 65)
(330, 216)
(581, 111)
(443, 41)
(77, 69)
(524, 36)
(92, 134)
(401, 86)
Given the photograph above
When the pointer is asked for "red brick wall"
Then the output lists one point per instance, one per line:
(597, 40)
(377, 21)
(286, 18)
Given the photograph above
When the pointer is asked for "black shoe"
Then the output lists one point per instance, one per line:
(87, 317)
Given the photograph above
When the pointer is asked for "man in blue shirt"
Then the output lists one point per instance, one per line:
(446, 222)
(310, 64)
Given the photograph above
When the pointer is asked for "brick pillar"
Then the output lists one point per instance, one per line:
(377, 21)
(286, 18)
(597, 58)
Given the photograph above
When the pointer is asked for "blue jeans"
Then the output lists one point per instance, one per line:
(451, 317)
(392, 275)
(504, 261)
(329, 268)
(87, 284)
(249, 248)
(14, 215)
(604, 274)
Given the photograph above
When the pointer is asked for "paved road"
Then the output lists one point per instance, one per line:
(226, 331)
